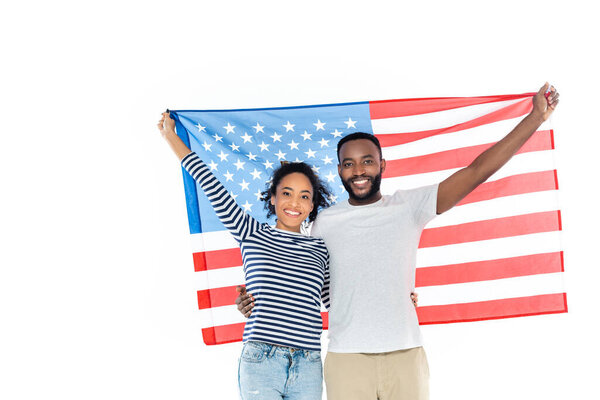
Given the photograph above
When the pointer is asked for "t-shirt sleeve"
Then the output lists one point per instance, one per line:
(423, 203)
(315, 230)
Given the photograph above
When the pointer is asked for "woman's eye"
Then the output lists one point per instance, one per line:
(286, 193)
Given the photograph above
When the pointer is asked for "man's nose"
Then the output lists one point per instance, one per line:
(358, 170)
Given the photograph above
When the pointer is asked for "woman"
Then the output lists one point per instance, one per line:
(284, 270)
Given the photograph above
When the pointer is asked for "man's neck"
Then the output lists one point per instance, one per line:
(363, 202)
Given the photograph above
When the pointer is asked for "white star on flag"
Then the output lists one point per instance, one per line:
(213, 166)
(289, 127)
(247, 138)
(330, 177)
(258, 128)
(255, 174)
(247, 206)
(201, 128)
(234, 147)
(306, 135)
(320, 125)
(327, 160)
(293, 145)
(228, 176)
(263, 147)
(218, 138)
(223, 156)
(324, 142)
(207, 146)
(244, 184)
(276, 137)
(258, 195)
(336, 134)
(350, 123)
(280, 155)
(268, 164)
(310, 153)
(239, 164)
(229, 128)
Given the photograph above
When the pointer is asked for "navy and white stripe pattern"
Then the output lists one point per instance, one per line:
(285, 271)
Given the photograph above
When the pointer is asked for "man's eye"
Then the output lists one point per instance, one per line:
(347, 165)
(286, 193)
(368, 161)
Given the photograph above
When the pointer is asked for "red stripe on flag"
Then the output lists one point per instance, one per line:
(217, 297)
(491, 269)
(493, 309)
(457, 158)
(405, 107)
(513, 185)
(223, 334)
(205, 260)
(233, 333)
(513, 111)
(491, 229)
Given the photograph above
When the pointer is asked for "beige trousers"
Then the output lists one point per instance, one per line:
(397, 375)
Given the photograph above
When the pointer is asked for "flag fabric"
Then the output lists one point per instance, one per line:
(497, 254)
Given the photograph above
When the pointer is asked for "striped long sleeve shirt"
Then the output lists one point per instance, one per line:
(286, 272)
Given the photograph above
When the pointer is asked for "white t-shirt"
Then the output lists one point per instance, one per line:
(372, 252)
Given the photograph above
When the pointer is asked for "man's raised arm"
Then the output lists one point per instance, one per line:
(461, 183)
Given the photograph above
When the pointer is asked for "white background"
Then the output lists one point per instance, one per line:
(97, 296)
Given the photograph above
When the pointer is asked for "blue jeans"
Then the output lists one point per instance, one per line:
(269, 372)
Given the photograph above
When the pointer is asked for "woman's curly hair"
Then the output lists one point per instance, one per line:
(321, 193)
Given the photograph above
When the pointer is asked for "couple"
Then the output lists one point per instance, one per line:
(360, 260)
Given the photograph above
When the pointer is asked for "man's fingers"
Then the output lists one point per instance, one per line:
(243, 300)
(247, 309)
(241, 289)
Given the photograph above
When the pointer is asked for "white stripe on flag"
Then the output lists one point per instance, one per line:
(536, 161)
(493, 249)
(437, 119)
(522, 286)
(498, 208)
(217, 278)
(212, 241)
(490, 133)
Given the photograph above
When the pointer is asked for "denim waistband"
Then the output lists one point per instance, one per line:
(270, 349)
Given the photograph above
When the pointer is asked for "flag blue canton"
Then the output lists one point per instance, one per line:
(244, 147)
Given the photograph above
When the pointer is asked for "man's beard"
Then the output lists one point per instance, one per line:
(375, 185)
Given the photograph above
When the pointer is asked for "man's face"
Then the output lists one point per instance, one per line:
(360, 169)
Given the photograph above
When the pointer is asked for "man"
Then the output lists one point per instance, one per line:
(375, 345)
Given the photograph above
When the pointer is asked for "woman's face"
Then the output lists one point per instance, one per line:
(292, 201)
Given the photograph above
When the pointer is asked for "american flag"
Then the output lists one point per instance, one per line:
(497, 254)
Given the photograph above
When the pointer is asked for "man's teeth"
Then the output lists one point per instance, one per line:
(362, 181)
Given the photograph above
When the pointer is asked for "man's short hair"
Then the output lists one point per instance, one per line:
(357, 136)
